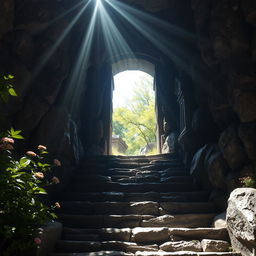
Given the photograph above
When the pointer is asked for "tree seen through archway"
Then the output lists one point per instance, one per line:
(134, 112)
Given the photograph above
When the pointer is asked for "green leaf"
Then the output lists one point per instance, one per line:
(24, 161)
(10, 76)
(41, 191)
(12, 92)
(18, 136)
(15, 134)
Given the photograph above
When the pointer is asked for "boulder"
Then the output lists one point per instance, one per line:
(232, 148)
(209, 245)
(241, 220)
(247, 134)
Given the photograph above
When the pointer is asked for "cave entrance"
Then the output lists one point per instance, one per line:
(133, 123)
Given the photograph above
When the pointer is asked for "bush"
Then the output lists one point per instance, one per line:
(21, 183)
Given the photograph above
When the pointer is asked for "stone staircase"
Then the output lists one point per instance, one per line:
(142, 206)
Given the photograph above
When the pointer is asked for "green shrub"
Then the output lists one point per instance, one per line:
(21, 183)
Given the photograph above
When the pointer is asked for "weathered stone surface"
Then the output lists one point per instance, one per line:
(122, 221)
(215, 245)
(186, 220)
(241, 220)
(247, 133)
(232, 149)
(199, 233)
(217, 170)
(186, 207)
(220, 221)
(149, 208)
(182, 246)
(127, 246)
(148, 235)
(110, 234)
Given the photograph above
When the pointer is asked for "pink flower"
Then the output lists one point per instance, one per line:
(42, 148)
(57, 162)
(30, 153)
(39, 175)
(37, 240)
(55, 180)
(7, 140)
(57, 205)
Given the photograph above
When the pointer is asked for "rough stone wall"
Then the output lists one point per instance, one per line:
(226, 32)
(31, 50)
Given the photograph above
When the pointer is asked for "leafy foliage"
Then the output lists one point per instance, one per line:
(135, 122)
(21, 183)
(6, 88)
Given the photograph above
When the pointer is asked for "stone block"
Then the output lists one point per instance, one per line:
(194, 246)
(209, 245)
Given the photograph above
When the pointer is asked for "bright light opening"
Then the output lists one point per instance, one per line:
(133, 120)
(98, 3)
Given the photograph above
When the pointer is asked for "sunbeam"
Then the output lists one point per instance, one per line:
(55, 46)
(115, 42)
(169, 48)
(76, 84)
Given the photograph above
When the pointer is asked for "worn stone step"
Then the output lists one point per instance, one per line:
(186, 253)
(99, 253)
(77, 246)
(79, 207)
(128, 246)
(92, 246)
(103, 234)
(132, 221)
(186, 207)
(133, 187)
(198, 233)
(143, 207)
(194, 196)
(145, 235)
(179, 220)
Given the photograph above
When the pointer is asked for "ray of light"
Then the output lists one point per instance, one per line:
(115, 42)
(44, 59)
(169, 48)
(76, 84)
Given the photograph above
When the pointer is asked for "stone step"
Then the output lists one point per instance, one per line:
(196, 196)
(99, 253)
(141, 253)
(92, 246)
(145, 235)
(132, 221)
(143, 207)
(186, 253)
(133, 187)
